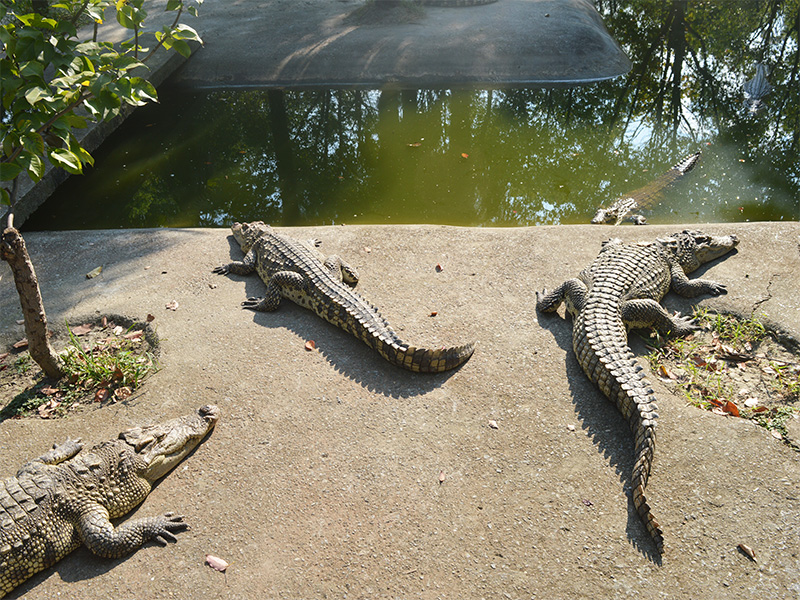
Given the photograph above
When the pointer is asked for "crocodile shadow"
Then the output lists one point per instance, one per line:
(604, 424)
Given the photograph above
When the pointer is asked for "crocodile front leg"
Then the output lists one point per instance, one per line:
(290, 283)
(100, 536)
(691, 288)
(239, 267)
(643, 313)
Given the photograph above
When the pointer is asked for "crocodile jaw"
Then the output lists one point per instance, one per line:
(246, 234)
(164, 445)
(711, 247)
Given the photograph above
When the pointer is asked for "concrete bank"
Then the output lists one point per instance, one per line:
(322, 478)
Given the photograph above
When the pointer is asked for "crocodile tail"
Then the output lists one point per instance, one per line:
(610, 364)
(424, 360)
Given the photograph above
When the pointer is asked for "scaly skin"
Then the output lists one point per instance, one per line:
(298, 272)
(66, 498)
(623, 287)
(644, 197)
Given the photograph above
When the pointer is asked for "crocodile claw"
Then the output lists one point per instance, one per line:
(168, 524)
(252, 303)
(221, 270)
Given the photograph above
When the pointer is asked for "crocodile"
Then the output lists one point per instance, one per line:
(298, 272)
(623, 287)
(66, 497)
(442, 3)
(644, 197)
(756, 89)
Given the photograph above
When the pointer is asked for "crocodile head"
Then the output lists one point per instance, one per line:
(602, 215)
(694, 248)
(163, 446)
(247, 233)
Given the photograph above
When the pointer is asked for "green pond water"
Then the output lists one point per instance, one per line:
(491, 157)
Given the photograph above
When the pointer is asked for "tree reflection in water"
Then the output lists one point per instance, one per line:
(476, 157)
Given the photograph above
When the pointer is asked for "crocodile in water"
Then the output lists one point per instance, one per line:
(645, 197)
(756, 89)
(623, 287)
(296, 271)
(66, 497)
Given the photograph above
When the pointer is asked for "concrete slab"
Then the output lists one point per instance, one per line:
(322, 478)
(287, 43)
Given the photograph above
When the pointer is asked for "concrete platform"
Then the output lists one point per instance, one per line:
(322, 479)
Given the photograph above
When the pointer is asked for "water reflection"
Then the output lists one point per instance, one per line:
(485, 157)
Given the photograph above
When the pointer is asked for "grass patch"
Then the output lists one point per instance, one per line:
(102, 363)
(732, 367)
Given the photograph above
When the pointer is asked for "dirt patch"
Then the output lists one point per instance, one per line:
(107, 358)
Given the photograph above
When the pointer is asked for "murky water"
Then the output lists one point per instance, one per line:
(476, 157)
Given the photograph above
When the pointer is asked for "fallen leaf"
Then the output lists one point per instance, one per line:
(82, 329)
(731, 408)
(367, 249)
(3, 356)
(415, 144)
(118, 330)
(150, 318)
(101, 395)
(94, 272)
(587, 502)
(310, 345)
(493, 424)
(751, 402)
(46, 409)
(134, 335)
(21, 344)
(213, 286)
(718, 411)
(665, 373)
(216, 563)
(464, 155)
(434, 313)
(122, 393)
(748, 551)
(571, 427)
(441, 476)
(173, 305)
(118, 375)
(20, 321)
(439, 268)
(105, 322)
(49, 390)
(776, 434)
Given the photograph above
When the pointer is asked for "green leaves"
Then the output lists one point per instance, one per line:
(47, 74)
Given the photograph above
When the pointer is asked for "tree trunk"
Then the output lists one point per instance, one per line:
(14, 252)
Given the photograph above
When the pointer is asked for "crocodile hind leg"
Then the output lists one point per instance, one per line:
(572, 292)
(288, 282)
(646, 312)
(341, 271)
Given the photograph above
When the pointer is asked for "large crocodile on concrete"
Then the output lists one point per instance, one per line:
(623, 287)
(644, 197)
(66, 497)
(298, 272)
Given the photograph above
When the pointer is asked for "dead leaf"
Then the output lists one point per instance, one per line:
(49, 390)
(415, 144)
(47, 409)
(464, 155)
(3, 356)
(493, 424)
(571, 427)
(587, 502)
(718, 411)
(23, 343)
(310, 345)
(748, 551)
(441, 476)
(213, 286)
(173, 305)
(134, 335)
(367, 249)
(101, 395)
(665, 373)
(751, 402)
(79, 330)
(122, 393)
(94, 272)
(150, 318)
(20, 321)
(118, 375)
(105, 322)
(776, 434)
(439, 268)
(216, 563)
(117, 330)
(731, 408)
(434, 313)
